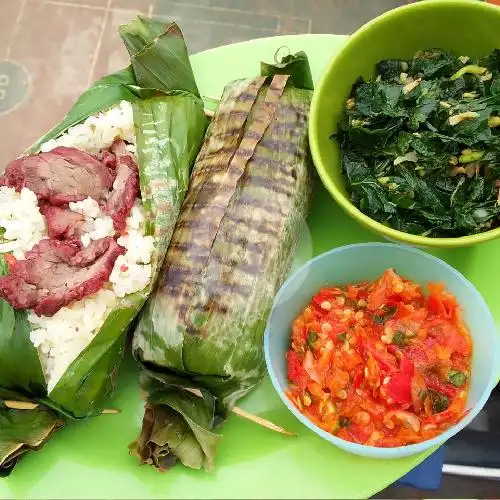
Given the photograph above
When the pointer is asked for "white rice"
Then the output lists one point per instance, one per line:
(97, 224)
(99, 131)
(88, 207)
(62, 337)
(132, 271)
(22, 221)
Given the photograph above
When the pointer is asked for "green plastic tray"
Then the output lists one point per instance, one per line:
(90, 459)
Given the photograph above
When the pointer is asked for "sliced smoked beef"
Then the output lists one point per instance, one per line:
(56, 273)
(107, 158)
(125, 186)
(63, 223)
(61, 176)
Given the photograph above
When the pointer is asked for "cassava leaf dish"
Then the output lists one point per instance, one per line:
(170, 124)
(231, 250)
(420, 144)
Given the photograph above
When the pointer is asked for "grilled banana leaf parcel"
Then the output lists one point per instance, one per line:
(232, 248)
(142, 127)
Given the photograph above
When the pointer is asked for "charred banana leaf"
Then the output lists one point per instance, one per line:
(231, 250)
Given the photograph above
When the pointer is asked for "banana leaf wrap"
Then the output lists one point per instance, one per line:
(231, 250)
(170, 125)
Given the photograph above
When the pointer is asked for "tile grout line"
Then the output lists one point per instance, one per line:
(16, 29)
(228, 9)
(89, 7)
(71, 4)
(174, 3)
(204, 21)
(278, 26)
(99, 42)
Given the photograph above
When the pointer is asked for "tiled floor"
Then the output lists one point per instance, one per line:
(60, 46)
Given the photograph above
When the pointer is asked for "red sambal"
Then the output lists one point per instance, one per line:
(379, 363)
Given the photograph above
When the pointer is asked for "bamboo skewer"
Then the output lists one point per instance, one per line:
(261, 421)
(253, 418)
(110, 411)
(20, 405)
(28, 405)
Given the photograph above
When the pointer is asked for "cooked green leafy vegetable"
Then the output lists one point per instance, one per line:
(311, 339)
(387, 312)
(439, 401)
(344, 421)
(421, 144)
(342, 337)
(399, 339)
(457, 378)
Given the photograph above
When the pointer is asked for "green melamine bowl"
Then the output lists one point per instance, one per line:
(467, 27)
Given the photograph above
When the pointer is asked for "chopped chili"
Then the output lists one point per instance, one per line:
(379, 363)
(10, 260)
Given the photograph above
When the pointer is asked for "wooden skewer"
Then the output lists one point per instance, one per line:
(253, 418)
(28, 405)
(110, 411)
(261, 421)
(20, 405)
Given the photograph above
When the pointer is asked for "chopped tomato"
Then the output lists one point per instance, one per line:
(372, 372)
(352, 292)
(360, 433)
(403, 311)
(433, 382)
(379, 363)
(358, 378)
(336, 329)
(440, 418)
(436, 306)
(418, 388)
(296, 372)
(310, 367)
(386, 362)
(419, 356)
(398, 386)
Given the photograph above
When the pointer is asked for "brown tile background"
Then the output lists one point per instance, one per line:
(64, 45)
(57, 61)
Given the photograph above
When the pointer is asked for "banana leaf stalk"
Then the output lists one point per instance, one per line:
(231, 250)
(27, 405)
(170, 125)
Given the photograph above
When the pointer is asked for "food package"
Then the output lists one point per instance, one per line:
(169, 120)
(199, 337)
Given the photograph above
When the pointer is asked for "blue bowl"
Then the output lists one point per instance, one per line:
(367, 261)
